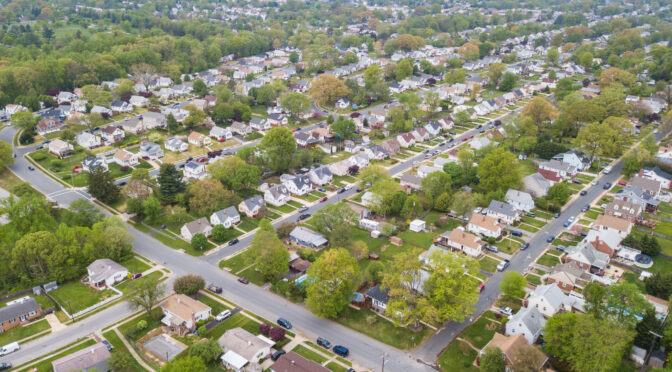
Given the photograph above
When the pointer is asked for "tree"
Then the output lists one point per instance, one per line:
(373, 175)
(152, 209)
(540, 110)
(234, 173)
(432, 101)
(492, 360)
(557, 334)
(513, 285)
(195, 118)
(375, 272)
(122, 361)
(186, 364)
(170, 183)
(469, 51)
(102, 186)
(649, 323)
(207, 196)
(343, 128)
(280, 145)
(586, 60)
(616, 75)
(484, 49)
(6, 157)
(276, 333)
(621, 302)
(220, 233)
(435, 184)
(508, 82)
(206, 350)
(146, 293)
(494, 73)
(358, 249)
(404, 70)
(198, 241)
(659, 285)
(143, 72)
(273, 262)
(266, 94)
(591, 352)
(608, 138)
(199, 88)
(84, 213)
(295, 103)
(552, 56)
(528, 359)
(412, 207)
(25, 120)
(451, 287)
(336, 222)
(326, 89)
(334, 277)
(175, 215)
(264, 328)
(463, 204)
(559, 193)
(407, 304)
(188, 284)
(498, 171)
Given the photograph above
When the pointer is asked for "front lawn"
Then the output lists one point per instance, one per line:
(248, 224)
(119, 347)
(528, 228)
(591, 214)
(253, 136)
(21, 332)
(125, 286)
(309, 198)
(231, 233)
(237, 320)
(480, 332)
(458, 357)
(152, 323)
(488, 264)
(253, 276)
(134, 265)
(533, 279)
(294, 203)
(508, 246)
(548, 260)
(286, 208)
(335, 367)
(235, 263)
(75, 296)
(309, 354)
(533, 221)
(215, 306)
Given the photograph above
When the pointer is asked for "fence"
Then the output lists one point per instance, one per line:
(90, 308)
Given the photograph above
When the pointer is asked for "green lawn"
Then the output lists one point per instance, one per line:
(418, 239)
(591, 214)
(230, 234)
(284, 208)
(548, 260)
(477, 334)
(533, 279)
(248, 224)
(585, 222)
(533, 221)
(309, 198)
(238, 320)
(125, 286)
(458, 357)
(585, 178)
(235, 263)
(508, 246)
(367, 322)
(319, 194)
(75, 296)
(488, 264)
(526, 167)
(309, 354)
(663, 227)
(21, 332)
(542, 214)
(661, 265)
(119, 347)
(295, 204)
(335, 367)
(216, 306)
(634, 279)
(134, 265)
(253, 276)
(528, 228)
(253, 136)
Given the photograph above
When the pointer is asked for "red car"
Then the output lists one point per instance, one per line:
(481, 287)
(324, 199)
(472, 136)
(202, 160)
(464, 139)
(243, 280)
(622, 183)
(136, 275)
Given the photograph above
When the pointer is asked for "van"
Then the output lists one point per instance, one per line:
(9, 348)
(516, 233)
(285, 323)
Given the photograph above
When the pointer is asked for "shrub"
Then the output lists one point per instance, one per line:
(219, 233)
(201, 330)
(264, 329)
(142, 324)
(189, 284)
(276, 333)
(39, 156)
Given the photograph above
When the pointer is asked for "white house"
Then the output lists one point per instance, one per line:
(87, 140)
(299, 185)
(462, 241)
(125, 158)
(528, 321)
(520, 200)
(249, 347)
(176, 145)
(549, 299)
(198, 139)
(406, 140)
(577, 160)
(484, 225)
(138, 101)
(150, 150)
(277, 195)
(91, 163)
(199, 226)
(221, 134)
(194, 171)
(320, 176)
(226, 217)
(104, 273)
(259, 124)
(181, 313)
(503, 212)
(426, 170)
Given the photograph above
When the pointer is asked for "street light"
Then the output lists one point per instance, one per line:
(383, 356)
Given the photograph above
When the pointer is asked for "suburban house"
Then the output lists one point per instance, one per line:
(657, 174)
(484, 225)
(240, 128)
(623, 209)
(133, 125)
(406, 140)
(198, 139)
(605, 241)
(104, 273)
(151, 120)
(87, 140)
(520, 200)
(575, 159)
(503, 212)
(458, 240)
(568, 276)
(251, 206)
(49, 126)
(307, 237)
(587, 258)
(638, 196)
(613, 225)
(391, 146)
(199, 226)
(511, 346)
(411, 181)
(121, 106)
(378, 298)
(299, 185)
(304, 139)
(194, 171)
(556, 171)
(293, 362)
(528, 321)
(112, 133)
(277, 195)
(536, 184)
(259, 124)
(425, 170)
(360, 160)
(92, 358)
(175, 145)
(150, 150)
(181, 313)
(320, 176)
(125, 158)
(91, 163)
(549, 299)
(238, 343)
(221, 134)
(277, 119)
(651, 187)
(60, 148)
(18, 312)
(138, 101)
(226, 217)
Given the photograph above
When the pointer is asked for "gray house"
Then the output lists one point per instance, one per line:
(307, 237)
(502, 211)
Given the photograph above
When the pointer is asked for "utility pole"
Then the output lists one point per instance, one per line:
(383, 356)
(648, 355)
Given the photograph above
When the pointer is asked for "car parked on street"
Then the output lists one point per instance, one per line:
(243, 280)
(583, 192)
(234, 242)
(303, 216)
(285, 323)
(341, 350)
(524, 246)
(550, 238)
(303, 209)
(324, 343)
(585, 208)
(503, 265)
(607, 186)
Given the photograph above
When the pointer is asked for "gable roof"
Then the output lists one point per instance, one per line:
(226, 213)
(307, 235)
(612, 222)
(11, 312)
(377, 293)
(242, 342)
(519, 196)
(531, 318)
(464, 238)
(102, 268)
(293, 362)
(183, 306)
(198, 226)
(253, 202)
(94, 356)
(498, 207)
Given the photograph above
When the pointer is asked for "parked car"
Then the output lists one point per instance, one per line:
(576, 181)
(324, 199)
(9, 348)
(585, 208)
(622, 183)
(278, 354)
(243, 280)
(322, 189)
(492, 248)
(30, 167)
(567, 223)
(594, 183)
(531, 214)
(108, 345)
(324, 343)
(506, 311)
(341, 190)
(349, 186)
(341, 350)
(223, 315)
(516, 233)
(481, 287)
(285, 323)
(550, 239)
(452, 133)
(479, 126)
(556, 215)
(303, 216)
(583, 192)
(136, 276)
(5, 365)
(561, 248)
(607, 186)
(214, 289)
(503, 265)
(524, 246)
(233, 242)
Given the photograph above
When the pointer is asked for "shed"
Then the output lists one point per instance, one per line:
(396, 241)
(417, 225)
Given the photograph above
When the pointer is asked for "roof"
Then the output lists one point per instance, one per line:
(197, 136)
(558, 165)
(499, 207)
(465, 239)
(234, 360)
(301, 181)
(645, 184)
(94, 356)
(183, 306)
(254, 202)
(225, 213)
(242, 342)
(410, 179)
(322, 172)
(300, 264)
(569, 269)
(486, 222)
(530, 317)
(123, 154)
(11, 312)
(552, 293)
(377, 293)
(110, 129)
(537, 179)
(293, 362)
(659, 172)
(612, 222)
(519, 196)
(513, 345)
(102, 269)
(307, 235)
(586, 253)
(278, 190)
(198, 226)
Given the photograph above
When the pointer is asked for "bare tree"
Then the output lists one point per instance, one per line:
(146, 293)
(143, 72)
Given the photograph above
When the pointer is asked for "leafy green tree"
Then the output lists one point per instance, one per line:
(552, 56)
(189, 284)
(199, 88)
(336, 222)
(412, 207)
(295, 103)
(540, 111)
(234, 173)
(649, 323)
(146, 293)
(494, 74)
(436, 184)
(199, 241)
(622, 302)
(83, 213)
(451, 287)
(186, 364)
(334, 276)
(152, 209)
(195, 118)
(326, 89)
(122, 361)
(280, 145)
(266, 94)
(25, 120)
(513, 285)
(498, 171)
(273, 263)
(463, 204)
(404, 69)
(508, 82)
(375, 272)
(102, 186)
(173, 125)
(170, 183)
(343, 128)
(559, 193)
(591, 352)
(492, 360)
(444, 202)
(206, 350)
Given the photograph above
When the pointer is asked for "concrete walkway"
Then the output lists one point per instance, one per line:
(55, 324)
(131, 349)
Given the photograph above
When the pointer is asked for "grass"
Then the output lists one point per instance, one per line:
(253, 136)
(309, 198)
(488, 264)
(253, 276)
(152, 323)
(119, 347)
(418, 239)
(286, 208)
(134, 265)
(528, 228)
(585, 222)
(533, 279)
(309, 354)
(591, 214)
(237, 320)
(215, 306)
(367, 322)
(248, 224)
(533, 221)
(543, 214)
(634, 279)
(21, 332)
(661, 265)
(294, 203)
(335, 367)
(457, 357)
(663, 227)
(508, 246)
(548, 260)
(9, 180)
(231, 233)
(45, 365)
(235, 263)
(75, 296)
(125, 286)
(477, 334)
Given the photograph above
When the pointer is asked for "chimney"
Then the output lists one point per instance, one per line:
(178, 299)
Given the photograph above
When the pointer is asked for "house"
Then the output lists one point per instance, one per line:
(299, 185)
(259, 124)
(433, 128)
(87, 140)
(248, 346)
(151, 120)
(520, 200)
(175, 145)
(125, 158)
(575, 159)
(133, 125)
(60, 148)
(199, 226)
(150, 150)
(241, 128)
(511, 347)
(121, 106)
(556, 171)
(277, 119)
(528, 321)
(425, 170)
(304, 139)
(458, 240)
(343, 103)
(322, 135)
(351, 147)
(320, 176)
(406, 140)
(49, 126)
(103, 111)
(370, 199)
(104, 273)
(66, 97)
(503, 212)
(479, 143)
(417, 225)
(198, 139)
(277, 195)
(549, 299)
(484, 225)
(112, 133)
(440, 161)
(657, 174)
(649, 186)
(636, 195)
(376, 152)
(138, 101)
(91, 163)
(623, 209)
(568, 276)
(307, 237)
(410, 181)
(536, 184)
(18, 312)
(221, 134)
(613, 225)
(226, 217)
(360, 160)
(194, 171)
(587, 258)
(378, 298)
(92, 358)
(391, 146)
(251, 206)
(293, 362)
(606, 241)
(298, 265)
(181, 313)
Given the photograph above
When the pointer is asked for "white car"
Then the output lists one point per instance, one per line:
(594, 183)
(223, 315)
(571, 219)
(348, 186)
(506, 311)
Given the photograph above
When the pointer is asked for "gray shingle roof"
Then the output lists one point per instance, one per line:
(225, 213)
(102, 268)
(499, 207)
(11, 312)
(377, 293)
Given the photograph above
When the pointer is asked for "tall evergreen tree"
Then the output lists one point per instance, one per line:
(170, 183)
(101, 185)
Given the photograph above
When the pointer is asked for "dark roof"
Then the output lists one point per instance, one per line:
(378, 294)
(11, 312)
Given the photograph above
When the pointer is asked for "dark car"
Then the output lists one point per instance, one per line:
(341, 190)
(556, 215)
(136, 276)
(5, 365)
(550, 239)
(46, 142)
(479, 126)
(607, 186)
(108, 345)
(233, 242)
(585, 208)
(243, 280)
(524, 246)
(122, 183)
(583, 192)
(189, 159)
(31, 168)
(578, 182)
(341, 350)
(303, 216)
(324, 342)
(452, 133)
(285, 323)
(516, 233)
(214, 289)
(278, 354)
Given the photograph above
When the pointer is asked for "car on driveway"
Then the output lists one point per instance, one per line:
(578, 182)
(243, 280)
(507, 311)
(503, 265)
(324, 343)
(275, 356)
(556, 215)
(136, 276)
(324, 199)
(322, 189)
(285, 323)
(108, 345)
(341, 350)
(223, 315)
(607, 186)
